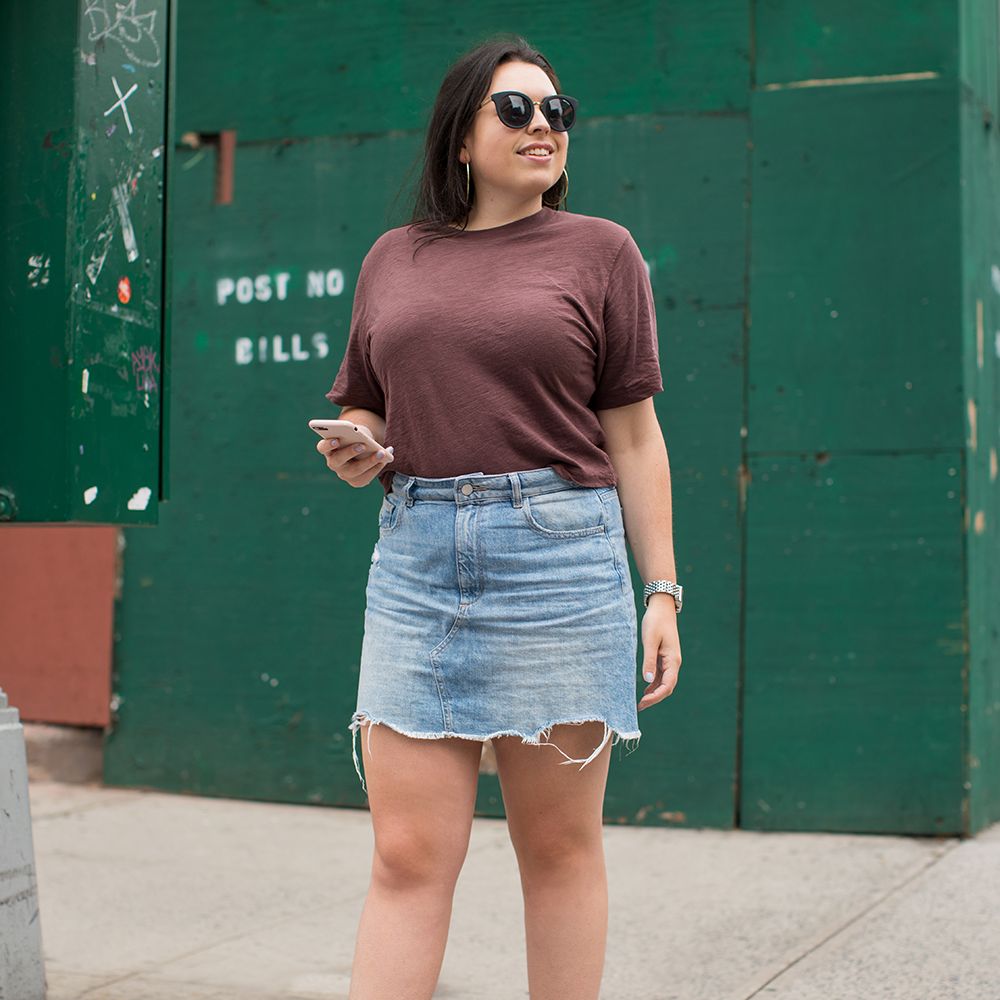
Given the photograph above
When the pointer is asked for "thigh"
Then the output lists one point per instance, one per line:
(549, 803)
(421, 794)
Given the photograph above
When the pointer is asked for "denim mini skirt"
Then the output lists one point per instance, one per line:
(498, 605)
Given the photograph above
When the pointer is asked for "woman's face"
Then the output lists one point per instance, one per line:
(503, 176)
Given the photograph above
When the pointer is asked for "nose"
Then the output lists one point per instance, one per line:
(539, 119)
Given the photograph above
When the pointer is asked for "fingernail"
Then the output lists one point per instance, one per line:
(359, 447)
(381, 454)
(648, 677)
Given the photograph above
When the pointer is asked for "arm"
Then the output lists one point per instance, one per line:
(367, 418)
(635, 445)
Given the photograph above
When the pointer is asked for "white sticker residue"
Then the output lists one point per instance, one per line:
(140, 499)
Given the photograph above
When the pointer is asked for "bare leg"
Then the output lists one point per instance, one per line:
(555, 819)
(421, 794)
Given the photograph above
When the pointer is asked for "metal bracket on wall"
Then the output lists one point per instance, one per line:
(225, 145)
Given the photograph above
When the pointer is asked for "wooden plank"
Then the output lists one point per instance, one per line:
(854, 270)
(981, 410)
(330, 68)
(855, 644)
(802, 40)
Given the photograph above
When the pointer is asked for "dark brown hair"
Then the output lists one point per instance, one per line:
(440, 198)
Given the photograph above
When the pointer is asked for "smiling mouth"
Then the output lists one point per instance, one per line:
(538, 156)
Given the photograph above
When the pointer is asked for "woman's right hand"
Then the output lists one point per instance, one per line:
(357, 465)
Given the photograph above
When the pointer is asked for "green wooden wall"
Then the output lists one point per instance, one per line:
(83, 116)
(793, 173)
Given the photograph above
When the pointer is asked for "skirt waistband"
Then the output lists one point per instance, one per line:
(475, 487)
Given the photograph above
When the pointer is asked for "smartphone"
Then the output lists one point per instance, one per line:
(345, 431)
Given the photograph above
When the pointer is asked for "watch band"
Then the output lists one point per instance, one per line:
(663, 587)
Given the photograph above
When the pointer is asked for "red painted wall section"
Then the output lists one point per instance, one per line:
(57, 592)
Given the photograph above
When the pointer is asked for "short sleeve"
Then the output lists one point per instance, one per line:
(356, 383)
(629, 368)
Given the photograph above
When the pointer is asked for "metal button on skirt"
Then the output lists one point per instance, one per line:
(498, 605)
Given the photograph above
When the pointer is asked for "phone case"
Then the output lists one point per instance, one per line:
(345, 431)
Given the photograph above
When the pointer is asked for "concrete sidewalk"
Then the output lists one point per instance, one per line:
(149, 896)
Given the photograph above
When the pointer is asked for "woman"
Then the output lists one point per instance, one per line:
(507, 348)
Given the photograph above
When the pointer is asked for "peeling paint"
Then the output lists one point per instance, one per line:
(38, 270)
(971, 408)
(90, 495)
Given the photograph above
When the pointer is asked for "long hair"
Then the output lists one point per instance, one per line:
(440, 198)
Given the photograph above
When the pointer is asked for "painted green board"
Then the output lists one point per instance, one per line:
(854, 271)
(35, 162)
(684, 772)
(80, 387)
(980, 175)
(979, 54)
(332, 68)
(855, 653)
(815, 40)
(241, 614)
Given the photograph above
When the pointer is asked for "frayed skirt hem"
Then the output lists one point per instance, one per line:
(539, 738)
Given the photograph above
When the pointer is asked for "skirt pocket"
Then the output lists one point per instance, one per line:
(568, 513)
(389, 514)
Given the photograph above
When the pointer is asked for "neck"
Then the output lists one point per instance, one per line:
(487, 214)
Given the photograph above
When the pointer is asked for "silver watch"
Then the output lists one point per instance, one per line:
(663, 587)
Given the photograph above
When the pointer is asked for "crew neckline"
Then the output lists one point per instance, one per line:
(526, 222)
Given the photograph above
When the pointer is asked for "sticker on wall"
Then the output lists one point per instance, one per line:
(124, 289)
(120, 195)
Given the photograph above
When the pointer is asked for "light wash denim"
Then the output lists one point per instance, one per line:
(498, 605)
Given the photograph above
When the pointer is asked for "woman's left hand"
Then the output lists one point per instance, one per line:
(661, 649)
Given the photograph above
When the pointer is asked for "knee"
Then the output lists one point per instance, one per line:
(403, 859)
(554, 847)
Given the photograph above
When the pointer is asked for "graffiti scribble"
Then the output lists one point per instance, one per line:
(135, 33)
(144, 364)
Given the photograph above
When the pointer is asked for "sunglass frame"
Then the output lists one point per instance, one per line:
(572, 101)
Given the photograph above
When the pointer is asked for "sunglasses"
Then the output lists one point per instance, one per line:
(516, 110)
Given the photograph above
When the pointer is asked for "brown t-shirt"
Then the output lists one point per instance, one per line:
(491, 349)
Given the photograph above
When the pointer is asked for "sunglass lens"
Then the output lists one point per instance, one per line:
(560, 113)
(514, 110)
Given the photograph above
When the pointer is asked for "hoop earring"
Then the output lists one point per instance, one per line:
(566, 191)
(468, 176)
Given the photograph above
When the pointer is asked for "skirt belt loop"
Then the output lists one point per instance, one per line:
(515, 485)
